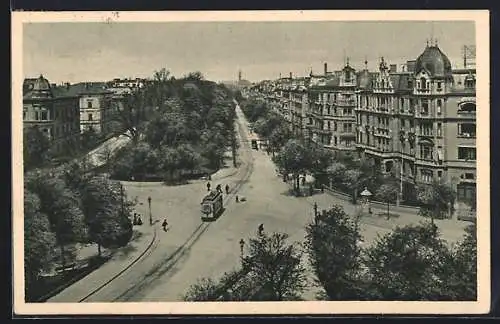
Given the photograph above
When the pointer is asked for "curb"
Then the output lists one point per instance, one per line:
(121, 271)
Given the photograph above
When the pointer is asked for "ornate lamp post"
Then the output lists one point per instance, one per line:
(150, 214)
(366, 194)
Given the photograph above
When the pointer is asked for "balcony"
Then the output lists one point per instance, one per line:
(348, 103)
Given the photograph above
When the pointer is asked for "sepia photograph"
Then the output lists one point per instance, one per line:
(251, 162)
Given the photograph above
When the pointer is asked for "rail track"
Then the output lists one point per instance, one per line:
(166, 265)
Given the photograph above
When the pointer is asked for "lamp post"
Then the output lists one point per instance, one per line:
(366, 194)
(150, 214)
(315, 207)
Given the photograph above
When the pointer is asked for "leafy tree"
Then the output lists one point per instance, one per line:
(387, 193)
(354, 180)
(205, 289)
(89, 138)
(278, 137)
(62, 206)
(35, 147)
(332, 245)
(295, 159)
(106, 212)
(276, 265)
(39, 241)
(336, 172)
(436, 198)
(461, 279)
(415, 259)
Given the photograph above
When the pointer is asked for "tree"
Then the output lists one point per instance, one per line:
(89, 138)
(62, 206)
(106, 213)
(415, 259)
(436, 198)
(205, 289)
(332, 245)
(387, 193)
(279, 136)
(354, 180)
(462, 276)
(39, 241)
(35, 147)
(276, 265)
(295, 159)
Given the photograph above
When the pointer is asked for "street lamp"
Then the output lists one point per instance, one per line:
(366, 194)
(150, 215)
(315, 207)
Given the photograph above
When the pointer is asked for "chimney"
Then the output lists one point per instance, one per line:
(291, 75)
(393, 68)
(411, 66)
(325, 68)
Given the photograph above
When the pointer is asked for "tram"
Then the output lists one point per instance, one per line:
(211, 206)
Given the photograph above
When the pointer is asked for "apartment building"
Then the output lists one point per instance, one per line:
(55, 113)
(418, 123)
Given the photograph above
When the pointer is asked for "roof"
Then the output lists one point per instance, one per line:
(37, 88)
(400, 81)
(81, 88)
(434, 61)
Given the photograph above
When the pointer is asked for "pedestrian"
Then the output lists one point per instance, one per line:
(227, 189)
(237, 199)
(261, 229)
(218, 188)
(139, 220)
(208, 186)
(164, 224)
(135, 219)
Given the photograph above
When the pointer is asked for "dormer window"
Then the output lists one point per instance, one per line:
(439, 86)
(470, 82)
(423, 83)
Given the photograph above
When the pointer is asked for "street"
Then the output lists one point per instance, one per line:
(191, 250)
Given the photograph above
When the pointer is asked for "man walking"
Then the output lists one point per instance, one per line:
(164, 225)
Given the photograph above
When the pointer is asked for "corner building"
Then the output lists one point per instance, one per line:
(419, 123)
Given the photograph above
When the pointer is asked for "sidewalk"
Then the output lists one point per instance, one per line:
(121, 259)
(451, 230)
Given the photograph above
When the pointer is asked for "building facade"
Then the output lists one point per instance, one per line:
(419, 123)
(94, 104)
(55, 113)
(416, 121)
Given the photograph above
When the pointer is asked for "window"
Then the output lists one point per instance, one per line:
(468, 107)
(439, 104)
(37, 115)
(335, 140)
(467, 129)
(89, 104)
(425, 152)
(469, 176)
(328, 125)
(43, 115)
(425, 107)
(439, 86)
(90, 117)
(24, 114)
(334, 126)
(467, 153)
(345, 128)
(427, 175)
(328, 109)
(470, 82)
(439, 131)
(423, 83)
(440, 173)
(466, 191)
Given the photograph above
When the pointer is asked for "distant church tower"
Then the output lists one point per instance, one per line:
(239, 76)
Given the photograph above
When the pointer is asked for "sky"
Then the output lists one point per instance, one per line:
(94, 51)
